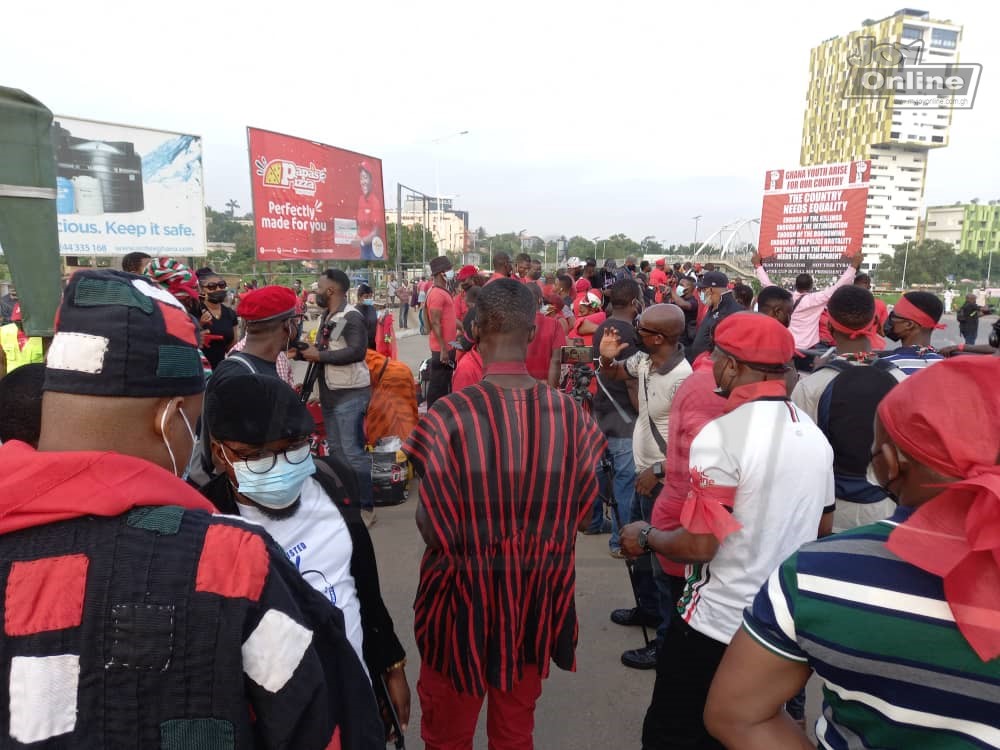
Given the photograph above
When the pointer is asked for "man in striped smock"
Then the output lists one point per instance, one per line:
(901, 618)
(508, 475)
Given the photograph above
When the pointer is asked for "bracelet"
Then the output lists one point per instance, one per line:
(961, 347)
(401, 664)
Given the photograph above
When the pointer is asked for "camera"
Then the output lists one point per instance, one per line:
(576, 355)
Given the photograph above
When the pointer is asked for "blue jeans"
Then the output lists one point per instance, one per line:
(423, 320)
(970, 338)
(621, 482)
(404, 314)
(345, 435)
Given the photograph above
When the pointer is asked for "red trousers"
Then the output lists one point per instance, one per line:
(448, 718)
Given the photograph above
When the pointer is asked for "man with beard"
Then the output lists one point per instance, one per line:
(260, 436)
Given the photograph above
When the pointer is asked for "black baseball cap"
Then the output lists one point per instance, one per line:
(713, 280)
(255, 409)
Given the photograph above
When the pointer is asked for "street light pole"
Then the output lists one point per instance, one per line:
(696, 220)
(906, 257)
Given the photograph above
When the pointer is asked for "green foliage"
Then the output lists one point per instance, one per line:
(930, 262)
(413, 239)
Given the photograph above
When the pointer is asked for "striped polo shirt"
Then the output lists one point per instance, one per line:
(896, 671)
(910, 359)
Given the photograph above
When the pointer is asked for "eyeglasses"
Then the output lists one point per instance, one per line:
(261, 462)
(211, 287)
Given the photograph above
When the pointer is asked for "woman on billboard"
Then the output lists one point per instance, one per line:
(370, 216)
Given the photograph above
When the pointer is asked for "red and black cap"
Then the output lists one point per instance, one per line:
(118, 334)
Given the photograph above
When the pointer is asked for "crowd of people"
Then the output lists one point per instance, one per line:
(183, 567)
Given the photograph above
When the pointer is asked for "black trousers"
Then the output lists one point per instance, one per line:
(685, 667)
(439, 381)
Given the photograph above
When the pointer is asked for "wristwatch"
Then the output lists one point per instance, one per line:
(644, 538)
(658, 470)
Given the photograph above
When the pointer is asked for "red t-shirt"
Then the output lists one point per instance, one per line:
(461, 306)
(468, 371)
(588, 339)
(695, 404)
(657, 277)
(549, 337)
(439, 299)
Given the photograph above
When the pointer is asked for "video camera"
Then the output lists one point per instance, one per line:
(581, 372)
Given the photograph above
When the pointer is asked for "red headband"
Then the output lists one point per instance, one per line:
(906, 309)
(853, 333)
(956, 535)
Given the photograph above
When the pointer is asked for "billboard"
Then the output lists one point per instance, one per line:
(813, 217)
(121, 189)
(313, 201)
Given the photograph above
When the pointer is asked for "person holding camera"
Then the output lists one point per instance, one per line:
(660, 367)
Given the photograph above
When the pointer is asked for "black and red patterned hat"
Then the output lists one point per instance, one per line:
(118, 334)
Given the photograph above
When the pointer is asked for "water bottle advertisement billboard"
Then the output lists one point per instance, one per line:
(314, 201)
(122, 189)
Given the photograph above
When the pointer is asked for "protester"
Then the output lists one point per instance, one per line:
(615, 409)
(402, 295)
(575, 266)
(744, 295)
(682, 294)
(209, 634)
(415, 303)
(840, 398)
(718, 300)
(589, 316)
(543, 358)
(881, 313)
(968, 319)
(7, 304)
(467, 277)
(422, 288)
(135, 262)
(660, 368)
(272, 322)
(344, 382)
(502, 267)
(17, 348)
(898, 618)
(535, 274)
(658, 276)
(628, 270)
(260, 435)
(808, 305)
(761, 481)
(499, 511)
(366, 304)
(176, 278)
(912, 321)
(776, 303)
(440, 309)
(21, 404)
(218, 322)
(522, 267)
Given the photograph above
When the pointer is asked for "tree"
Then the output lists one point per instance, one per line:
(232, 205)
(413, 238)
(580, 247)
(929, 262)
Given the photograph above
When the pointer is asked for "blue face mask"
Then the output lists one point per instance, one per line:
(368, 301)
(281, 485)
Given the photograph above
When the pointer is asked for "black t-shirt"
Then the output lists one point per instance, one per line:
(605, 414)
(225, 326)
(690, 319)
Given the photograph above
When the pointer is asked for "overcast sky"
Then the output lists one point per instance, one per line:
(632, 118)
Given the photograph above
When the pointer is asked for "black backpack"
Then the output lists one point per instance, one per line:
(846, 415)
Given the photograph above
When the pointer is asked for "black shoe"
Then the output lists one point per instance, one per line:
(640, 658)
(634, 618)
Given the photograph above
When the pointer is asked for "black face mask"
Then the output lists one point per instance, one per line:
(888, 329)
(323, 300)
(216, 298)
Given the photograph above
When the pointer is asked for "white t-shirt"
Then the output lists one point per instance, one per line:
(781, 467)
(656, 395)
(318, 542)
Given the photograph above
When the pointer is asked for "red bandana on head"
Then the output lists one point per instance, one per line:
(957, 534)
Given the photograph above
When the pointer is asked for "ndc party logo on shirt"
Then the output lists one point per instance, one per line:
(287, 175)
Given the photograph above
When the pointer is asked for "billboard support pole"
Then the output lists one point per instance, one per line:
(399, 229)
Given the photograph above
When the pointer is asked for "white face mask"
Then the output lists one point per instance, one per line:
(705, 297)
(449, 275)
(170, 452)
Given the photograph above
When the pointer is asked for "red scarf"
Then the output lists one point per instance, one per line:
(744, 394)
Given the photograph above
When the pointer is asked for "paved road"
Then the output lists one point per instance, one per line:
(603, 703)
